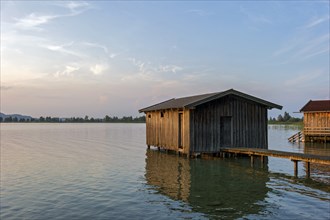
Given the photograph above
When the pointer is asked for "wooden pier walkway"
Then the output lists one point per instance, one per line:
(295, 157)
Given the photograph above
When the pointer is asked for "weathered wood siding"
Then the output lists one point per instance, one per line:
(164, 131)
(186, 131)
(248, 125)
(317, 119)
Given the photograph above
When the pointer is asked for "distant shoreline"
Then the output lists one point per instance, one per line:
(300, 123)
(107, 119)
(63, 122)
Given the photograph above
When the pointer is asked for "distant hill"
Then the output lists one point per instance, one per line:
(18, 116)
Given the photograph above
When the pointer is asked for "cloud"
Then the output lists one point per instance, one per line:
(169, 68)
(104, 48)
(140, 64)
(314, 47)
(317, 21)
(145, 67)
(62, 48)
(73, 6)
(33, 21)
(98, 69)
(303, 79)
(69, 69)
(302, 48)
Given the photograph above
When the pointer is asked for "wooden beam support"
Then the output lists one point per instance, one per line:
(308, 169)
(295, 162)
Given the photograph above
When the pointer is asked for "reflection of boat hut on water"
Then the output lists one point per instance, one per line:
(212, 187)
(205, 123)
(316, 122)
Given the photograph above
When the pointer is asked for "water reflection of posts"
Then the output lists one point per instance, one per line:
(219, 188)
(314, 168)
(263, 159)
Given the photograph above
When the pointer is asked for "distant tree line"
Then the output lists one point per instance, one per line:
(15, 119)
(287, 118)
(106, 119)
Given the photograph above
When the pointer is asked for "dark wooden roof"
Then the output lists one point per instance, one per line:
(193, 101)
(316, 106)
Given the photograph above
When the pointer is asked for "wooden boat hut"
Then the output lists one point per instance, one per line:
(205, 123)
(316, 120)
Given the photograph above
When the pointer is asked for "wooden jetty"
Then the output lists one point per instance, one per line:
(295, 157)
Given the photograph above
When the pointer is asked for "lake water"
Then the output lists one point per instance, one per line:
(104, 171)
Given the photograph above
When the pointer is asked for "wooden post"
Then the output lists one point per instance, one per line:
(295, 167)
(148, 146)
(252, 160)
(158, 148)
(308, 170)
(262, 161)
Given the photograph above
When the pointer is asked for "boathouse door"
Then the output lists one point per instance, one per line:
(225, 131)
(180, 130)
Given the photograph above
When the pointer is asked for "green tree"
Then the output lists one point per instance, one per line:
(107, 118)
(280, 118)
(286, 116)
(9, 119)
(22, 120)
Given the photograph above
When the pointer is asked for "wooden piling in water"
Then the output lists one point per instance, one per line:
(308, 170)
(295, 167)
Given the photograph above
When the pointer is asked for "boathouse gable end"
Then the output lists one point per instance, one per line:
(206, 123)
(316, 120)
(230, 121)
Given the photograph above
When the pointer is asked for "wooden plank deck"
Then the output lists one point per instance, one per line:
(295, 157)
(281, 154)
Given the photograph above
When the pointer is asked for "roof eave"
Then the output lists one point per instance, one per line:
(146, 109)
(269, 105)
(302, 109)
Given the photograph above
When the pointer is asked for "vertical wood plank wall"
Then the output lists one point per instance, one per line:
(317, 119)
(249, 124)
(164, 131)
(201, 126)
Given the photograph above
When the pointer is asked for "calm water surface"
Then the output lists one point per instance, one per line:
(103, 171)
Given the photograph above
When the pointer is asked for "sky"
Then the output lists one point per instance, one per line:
(97, 58)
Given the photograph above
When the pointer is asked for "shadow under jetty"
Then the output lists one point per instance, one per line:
(218, 188)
